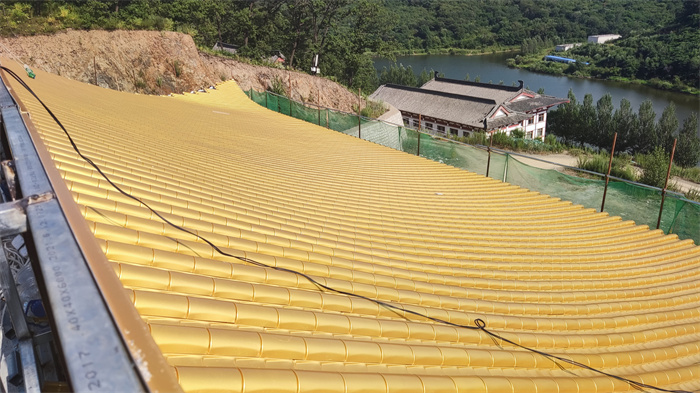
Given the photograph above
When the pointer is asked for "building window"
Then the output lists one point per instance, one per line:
(429, 126)
(441, 129)
(405, 121)
(415, 123)
(531, 120)
(540, 117)
(454, 131)
(539, 132)
(529, 134)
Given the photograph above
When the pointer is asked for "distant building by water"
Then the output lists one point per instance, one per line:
(599, 39)
(454, 107)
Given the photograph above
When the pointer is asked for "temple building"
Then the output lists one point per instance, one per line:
(458, 108)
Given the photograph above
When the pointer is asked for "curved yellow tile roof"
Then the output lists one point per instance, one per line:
(369, 220)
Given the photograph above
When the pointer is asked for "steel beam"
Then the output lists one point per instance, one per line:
(94, 354)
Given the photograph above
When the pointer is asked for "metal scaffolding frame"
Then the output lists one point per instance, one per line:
(90, 347)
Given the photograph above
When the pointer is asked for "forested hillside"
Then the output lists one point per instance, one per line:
(345, 32)
(667, 57)
(470, 24)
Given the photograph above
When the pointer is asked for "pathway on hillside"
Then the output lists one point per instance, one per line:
(566, 159)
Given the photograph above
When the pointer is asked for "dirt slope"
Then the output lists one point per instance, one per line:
(158, 63)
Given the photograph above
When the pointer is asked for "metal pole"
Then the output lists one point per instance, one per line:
(607, 176)
(420, 123)
(663, 192)
(94, 66)
(488, 163)
(505, 167)
(359, 111)
(266, 94)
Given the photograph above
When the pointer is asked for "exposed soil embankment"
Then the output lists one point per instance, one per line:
(154, 62)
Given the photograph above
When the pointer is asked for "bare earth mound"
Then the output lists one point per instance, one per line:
(158, 63)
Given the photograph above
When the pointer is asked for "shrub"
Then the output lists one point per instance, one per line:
(654, 166)
(501, 139)
(476, 138)
(177, 68)
(277, 86)
(373, 109)
(517, 133)
(599, 163)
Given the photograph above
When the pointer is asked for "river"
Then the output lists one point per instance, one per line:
(492, 67)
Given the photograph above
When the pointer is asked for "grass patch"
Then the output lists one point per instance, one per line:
(621, 165)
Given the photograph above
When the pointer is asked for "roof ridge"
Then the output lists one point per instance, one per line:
(442, 94)
(480, 84)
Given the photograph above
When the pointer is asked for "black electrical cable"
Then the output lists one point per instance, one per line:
(479, 323)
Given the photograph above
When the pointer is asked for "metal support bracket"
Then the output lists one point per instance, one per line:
(13, 215)
(8, 171)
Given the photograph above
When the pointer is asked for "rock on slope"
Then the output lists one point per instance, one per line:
(158, 63)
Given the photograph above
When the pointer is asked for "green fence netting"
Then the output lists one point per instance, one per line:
(629, 201)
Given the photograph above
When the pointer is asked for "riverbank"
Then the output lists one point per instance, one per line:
(449, 51)
(535, 63)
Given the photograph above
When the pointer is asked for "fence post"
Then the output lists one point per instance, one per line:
(359, 111)
(327, 116)
(663, 192)
(505, 167)
(420, 123)
(607, 176)
(318, 102)
(266, 100)
(488, 163)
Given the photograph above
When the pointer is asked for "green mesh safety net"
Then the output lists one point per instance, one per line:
(629, 201)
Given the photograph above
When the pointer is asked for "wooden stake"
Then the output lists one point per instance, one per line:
(420, 125)
(663, 192)
(318, 103)
(94, 66)
(607, 176)
(359, 107)
(488, 163)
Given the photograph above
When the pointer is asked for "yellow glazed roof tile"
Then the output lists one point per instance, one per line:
(368, 220)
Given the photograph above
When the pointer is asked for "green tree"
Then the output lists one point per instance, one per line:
(564, 120)
(588, 120)
(655, 168)
(605, 130)
(667, 127)
(425, 77)
(647, 137)
(398, 74)
(688, 147)
(626, 123)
